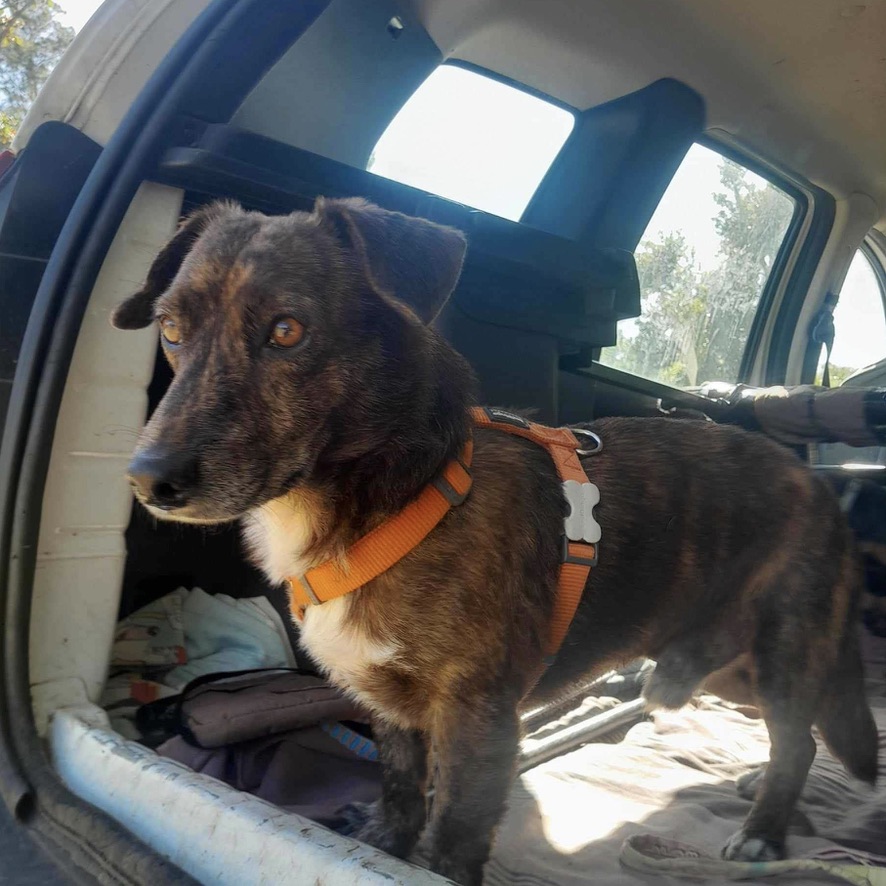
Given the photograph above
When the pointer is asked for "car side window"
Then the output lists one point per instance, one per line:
(703, 262)
(859, 323)
(473, 139)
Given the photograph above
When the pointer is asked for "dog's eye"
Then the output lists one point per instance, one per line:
(287, 333)
(170, 330)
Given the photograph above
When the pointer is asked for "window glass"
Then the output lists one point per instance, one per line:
(703, 262)
(474, 140)
(859, 323)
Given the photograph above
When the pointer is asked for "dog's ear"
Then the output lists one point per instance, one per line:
(416, 261)
(137, 311)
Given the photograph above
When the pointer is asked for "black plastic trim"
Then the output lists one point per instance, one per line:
(669, 397)
(604, 185)
(188, 78)
(513, 273)
(34, 203)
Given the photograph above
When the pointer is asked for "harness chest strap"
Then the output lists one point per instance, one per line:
(380, 549)
(579, 553)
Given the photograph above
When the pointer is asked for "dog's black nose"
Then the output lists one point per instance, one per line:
(166, 480)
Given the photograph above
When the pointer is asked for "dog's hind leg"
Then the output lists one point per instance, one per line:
(789, 691)
(476, 750)
(845, 718)
(762, 837)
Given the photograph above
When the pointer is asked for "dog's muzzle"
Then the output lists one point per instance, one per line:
(163, 479)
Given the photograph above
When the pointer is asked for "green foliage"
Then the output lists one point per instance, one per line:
(31, 43)
(695, 323)
(838, 374)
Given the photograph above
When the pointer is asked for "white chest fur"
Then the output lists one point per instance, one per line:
(278, 533)
(347, 654)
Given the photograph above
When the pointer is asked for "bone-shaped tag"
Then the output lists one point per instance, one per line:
(580, 524)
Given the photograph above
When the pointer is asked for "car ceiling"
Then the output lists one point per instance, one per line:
(802, 83)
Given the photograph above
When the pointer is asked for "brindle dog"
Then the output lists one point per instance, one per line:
(310, 402)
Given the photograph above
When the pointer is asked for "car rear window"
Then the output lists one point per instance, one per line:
(473, 139)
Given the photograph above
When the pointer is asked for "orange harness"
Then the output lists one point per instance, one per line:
(380, 549)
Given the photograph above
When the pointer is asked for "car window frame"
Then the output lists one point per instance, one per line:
(767, 300)
(868, 251)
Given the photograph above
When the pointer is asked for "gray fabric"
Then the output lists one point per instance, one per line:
(807, 414)
(263, 733)
(305, 771)
(671, 777)
(235, 709)
(674, 777)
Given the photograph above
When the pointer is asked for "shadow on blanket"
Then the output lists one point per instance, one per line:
(673, 777)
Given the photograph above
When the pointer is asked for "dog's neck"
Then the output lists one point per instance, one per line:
(368, 474)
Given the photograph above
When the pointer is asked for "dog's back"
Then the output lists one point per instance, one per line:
(719, 545)
(704, 527)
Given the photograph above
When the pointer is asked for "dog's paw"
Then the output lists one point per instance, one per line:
(365, 822)
(465, 874)
(748, 784)
(742, 847)
(355, 816)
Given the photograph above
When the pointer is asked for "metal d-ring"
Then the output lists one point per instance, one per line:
(598, 443)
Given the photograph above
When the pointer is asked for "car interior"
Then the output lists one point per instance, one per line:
(158, 110)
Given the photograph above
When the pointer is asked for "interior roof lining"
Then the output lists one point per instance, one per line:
(802, 82)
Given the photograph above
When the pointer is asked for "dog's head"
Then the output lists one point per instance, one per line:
(293, 350)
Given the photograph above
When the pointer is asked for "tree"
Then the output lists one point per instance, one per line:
(696, 323)
(32, 41)
(751, 222)
(838, 374)
(673, 305)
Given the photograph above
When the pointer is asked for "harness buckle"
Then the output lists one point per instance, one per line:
(567, 557)
(580, 523)
(449, 492)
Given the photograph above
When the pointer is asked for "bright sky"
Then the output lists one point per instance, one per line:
(688, 204)
(473, 140)
(859, 321)
(77, 12)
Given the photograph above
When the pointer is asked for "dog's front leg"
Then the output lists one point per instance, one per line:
(476, 753)
(395, 822)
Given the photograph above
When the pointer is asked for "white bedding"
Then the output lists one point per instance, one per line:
(674, 777)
